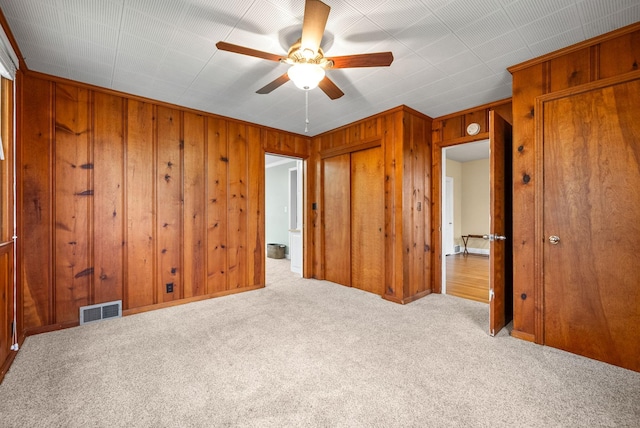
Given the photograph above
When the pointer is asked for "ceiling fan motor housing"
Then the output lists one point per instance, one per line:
(297, 55)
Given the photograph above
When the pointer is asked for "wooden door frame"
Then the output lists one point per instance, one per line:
(436, 198)
(306, 191)
(538, 242)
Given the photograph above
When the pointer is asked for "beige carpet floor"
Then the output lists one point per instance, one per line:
(307, 353)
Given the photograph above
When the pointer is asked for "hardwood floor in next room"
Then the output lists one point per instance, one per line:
(468, 276)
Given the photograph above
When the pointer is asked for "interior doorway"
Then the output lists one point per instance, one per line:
(465, 219)
(499, 234)
(284, 196)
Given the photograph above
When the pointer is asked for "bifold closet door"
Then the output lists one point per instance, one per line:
(367, 220)
(336, 218)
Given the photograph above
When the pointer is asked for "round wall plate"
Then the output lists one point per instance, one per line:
(473, 128)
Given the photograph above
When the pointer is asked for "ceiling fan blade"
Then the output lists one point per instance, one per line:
(330, 88)
(224, 46)
(379, 59)
(273, 85)
(316, 14)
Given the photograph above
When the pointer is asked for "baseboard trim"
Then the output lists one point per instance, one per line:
(7, 364)
(189, 300)
(407, 299)
(126, 312)
(51, 327)
(524, 336)
(484, 251)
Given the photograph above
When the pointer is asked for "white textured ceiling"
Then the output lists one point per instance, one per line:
(449, 54)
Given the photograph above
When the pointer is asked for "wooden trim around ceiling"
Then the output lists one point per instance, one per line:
(582, 45)
(5, 25)
(474, 109)
(337, 151)
(129, 96)
(374, 116)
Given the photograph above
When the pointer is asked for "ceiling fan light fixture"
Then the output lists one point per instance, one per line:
(306, 76)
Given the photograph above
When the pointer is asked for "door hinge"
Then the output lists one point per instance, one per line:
(491, 295)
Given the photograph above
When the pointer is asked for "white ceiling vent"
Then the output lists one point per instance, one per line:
(100, 312)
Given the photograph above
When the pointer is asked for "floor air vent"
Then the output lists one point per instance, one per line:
(102, 311)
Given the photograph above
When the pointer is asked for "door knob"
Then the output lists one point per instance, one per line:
(554, 239)
(494, 237)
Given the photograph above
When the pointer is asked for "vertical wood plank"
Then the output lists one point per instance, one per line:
(315, 207)
(336, 215)
(217, 215)
(237, 208)
(388, 145)
(73, 203)
(420, 250)
(255, 208)
(395, 287)
(426, 205)
(6, 302)
(35, 174)
(302, 146)
(527, 85)
(140, 261)
(572, 69)
(367, 220)
(452, 128)
(169, 203)
(619, 55)
(195, 236)
(108, 213)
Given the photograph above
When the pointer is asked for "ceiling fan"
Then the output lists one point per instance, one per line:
(307, 60)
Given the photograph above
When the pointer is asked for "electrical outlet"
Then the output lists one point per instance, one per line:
(169, 287)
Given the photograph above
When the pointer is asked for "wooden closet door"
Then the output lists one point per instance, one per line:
(367, 220)
(591, 200)
(336, 218)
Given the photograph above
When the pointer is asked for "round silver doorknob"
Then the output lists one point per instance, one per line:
(554, 239)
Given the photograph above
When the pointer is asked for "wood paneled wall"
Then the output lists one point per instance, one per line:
(7, 243)
(405, 138)
(610, 55)
(450, 130)
(121, 196)
(6, 306)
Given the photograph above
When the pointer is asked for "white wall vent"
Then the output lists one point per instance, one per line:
(456, 249)
(100, 312)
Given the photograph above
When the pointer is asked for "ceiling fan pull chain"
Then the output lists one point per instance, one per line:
(306, 111)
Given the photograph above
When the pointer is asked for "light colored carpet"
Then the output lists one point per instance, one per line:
(309, 353)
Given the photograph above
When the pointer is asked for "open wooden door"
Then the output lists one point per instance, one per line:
(500, 278)
(590, 228)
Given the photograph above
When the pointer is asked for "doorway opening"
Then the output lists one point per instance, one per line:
(465, 220)
(284, 196)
